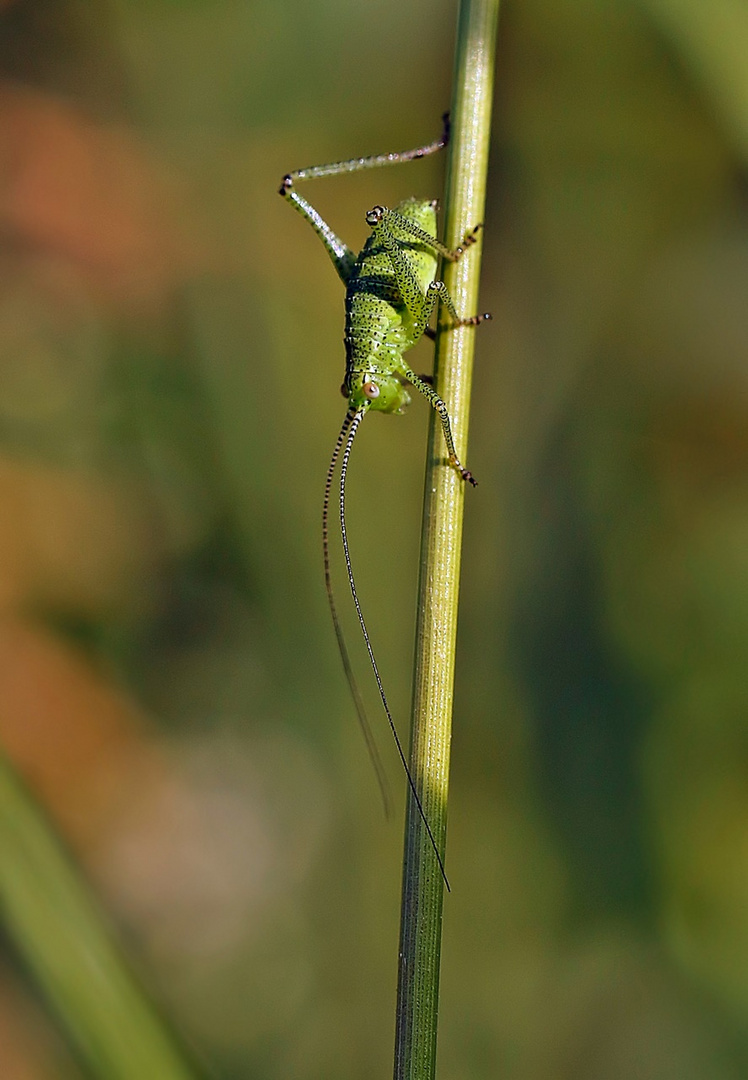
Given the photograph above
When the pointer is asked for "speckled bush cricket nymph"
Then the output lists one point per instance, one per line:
(391, 291)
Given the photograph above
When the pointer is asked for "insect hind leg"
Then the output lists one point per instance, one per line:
(341, 255)
(375, 161)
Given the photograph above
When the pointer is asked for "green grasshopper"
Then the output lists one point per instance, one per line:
(391, 291)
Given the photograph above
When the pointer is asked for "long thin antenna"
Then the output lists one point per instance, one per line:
(348, 434)
(363, 721)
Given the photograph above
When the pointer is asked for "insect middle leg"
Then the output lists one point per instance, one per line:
(419, 304)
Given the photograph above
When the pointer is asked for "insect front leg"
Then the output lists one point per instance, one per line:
(440, 406)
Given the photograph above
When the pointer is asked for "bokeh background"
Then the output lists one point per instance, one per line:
(170, 357)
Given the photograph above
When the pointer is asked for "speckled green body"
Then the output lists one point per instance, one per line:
(379, 325)
(391, 292)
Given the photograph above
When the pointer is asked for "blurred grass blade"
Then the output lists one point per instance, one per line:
(62, 940)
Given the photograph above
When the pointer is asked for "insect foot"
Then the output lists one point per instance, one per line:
(441, 142)
(464, 473)
(468, 240)
(476, 320)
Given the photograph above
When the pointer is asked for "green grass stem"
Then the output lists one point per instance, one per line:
(436, 630)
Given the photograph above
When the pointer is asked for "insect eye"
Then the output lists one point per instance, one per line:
(370, 389)
(344, 390)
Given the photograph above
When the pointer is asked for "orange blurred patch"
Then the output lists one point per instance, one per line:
(91, 191)
(73, 735)
(70, 541)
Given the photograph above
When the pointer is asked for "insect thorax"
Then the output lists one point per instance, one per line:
(376, 336)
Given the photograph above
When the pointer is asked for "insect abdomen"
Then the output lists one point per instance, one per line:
(379, 327)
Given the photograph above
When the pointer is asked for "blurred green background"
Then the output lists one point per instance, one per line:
(171, 350)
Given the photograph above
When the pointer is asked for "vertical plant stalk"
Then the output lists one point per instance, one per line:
(436, 630)
(62, 940)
